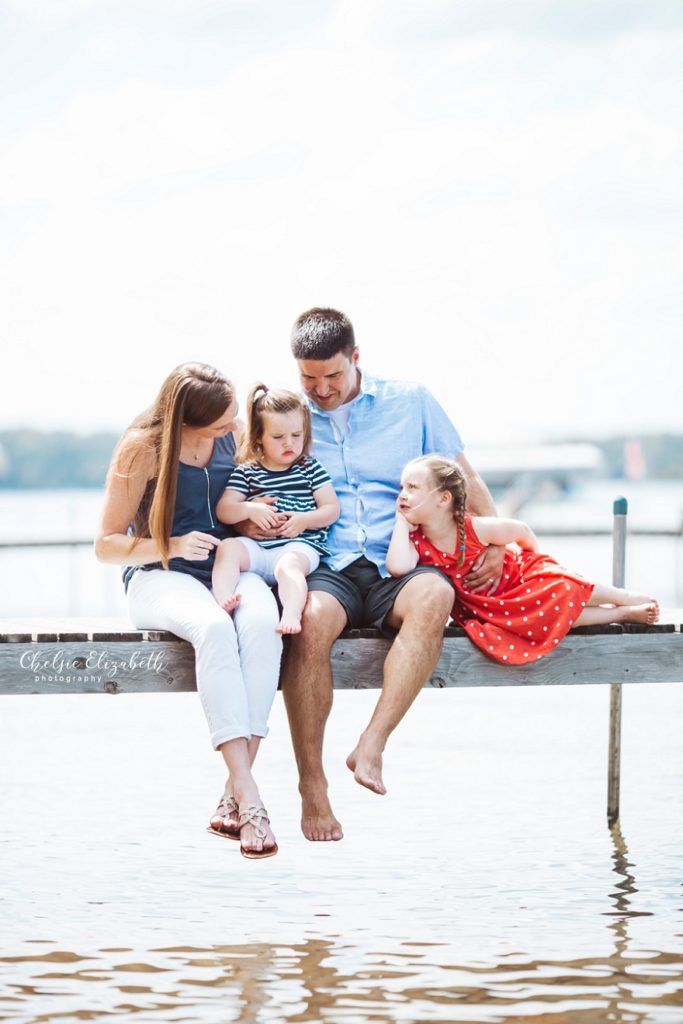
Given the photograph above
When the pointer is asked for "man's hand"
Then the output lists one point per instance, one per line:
(486, 571)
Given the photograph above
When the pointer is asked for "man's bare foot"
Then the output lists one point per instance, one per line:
(230, 602)
(366, 766)
(289, 623)
(318, 823)
(645, 613)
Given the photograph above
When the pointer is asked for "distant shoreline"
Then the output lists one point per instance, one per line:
(39, 460)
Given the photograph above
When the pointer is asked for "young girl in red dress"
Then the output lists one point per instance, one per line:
(536, 602)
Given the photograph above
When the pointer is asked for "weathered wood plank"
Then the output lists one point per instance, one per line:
(153, 666)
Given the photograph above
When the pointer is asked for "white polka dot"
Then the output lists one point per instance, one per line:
(490, 648)
(553, 595)
(512, 647)
(507, 576)
(525, 619)
(583, 604)
(526, 655)
(538, 656)
(529, 633)
(528, 590)
(505, 657)
(523, 608)
(457, 575)
(509, 623)
(545, 629)
(538, 602)
(481, 634)
(556, 641)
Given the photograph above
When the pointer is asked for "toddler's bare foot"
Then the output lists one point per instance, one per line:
(230, 602)
(289, 623)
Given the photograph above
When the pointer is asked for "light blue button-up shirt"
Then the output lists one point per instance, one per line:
(390, 423)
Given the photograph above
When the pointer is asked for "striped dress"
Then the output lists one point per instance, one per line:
(294, 489)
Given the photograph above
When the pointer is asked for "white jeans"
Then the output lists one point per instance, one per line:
(237, 658)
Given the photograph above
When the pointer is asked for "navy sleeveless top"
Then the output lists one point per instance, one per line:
(197, 494)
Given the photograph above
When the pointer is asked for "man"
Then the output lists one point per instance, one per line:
(365, 430)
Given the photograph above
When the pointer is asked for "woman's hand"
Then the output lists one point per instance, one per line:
(194, 546)
(486, 571)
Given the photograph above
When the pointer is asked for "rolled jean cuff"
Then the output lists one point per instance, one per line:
(225, 735)
(259, 730)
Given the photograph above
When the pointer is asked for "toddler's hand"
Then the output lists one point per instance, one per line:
(263, 515)
(295, 523)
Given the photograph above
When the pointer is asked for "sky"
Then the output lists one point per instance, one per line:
(492, 190)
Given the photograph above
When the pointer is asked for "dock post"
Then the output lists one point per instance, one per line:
(614, 757)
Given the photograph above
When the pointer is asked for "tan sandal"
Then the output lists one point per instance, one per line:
(255, 815)
(227, 808)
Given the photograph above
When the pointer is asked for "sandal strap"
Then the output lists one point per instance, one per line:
(254, 815)
(227, 807)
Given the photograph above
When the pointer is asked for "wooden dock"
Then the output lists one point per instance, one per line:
(107, 656)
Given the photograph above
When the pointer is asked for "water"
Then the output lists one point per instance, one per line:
(485, 887)
(69, 581)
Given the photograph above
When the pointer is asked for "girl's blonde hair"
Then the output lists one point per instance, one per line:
(193, 394)
(449, 477)
(262, 400)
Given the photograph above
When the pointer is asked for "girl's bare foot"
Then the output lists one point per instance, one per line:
(645, 613)
(289, 623)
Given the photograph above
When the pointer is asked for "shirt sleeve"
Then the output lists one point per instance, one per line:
(237, 481)
(439, 436)
(318, 475)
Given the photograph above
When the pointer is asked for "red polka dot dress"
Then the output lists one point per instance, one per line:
(537, 601)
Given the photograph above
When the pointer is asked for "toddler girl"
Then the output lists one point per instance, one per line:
(536, 602)
(284, 491)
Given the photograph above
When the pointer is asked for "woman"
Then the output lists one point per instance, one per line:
(166, 476)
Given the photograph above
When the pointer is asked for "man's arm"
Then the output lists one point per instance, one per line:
(486, 571)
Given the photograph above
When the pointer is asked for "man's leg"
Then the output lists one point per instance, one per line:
(307, 690)
(421, 610)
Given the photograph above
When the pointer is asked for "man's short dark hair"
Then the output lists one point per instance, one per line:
(322, 334)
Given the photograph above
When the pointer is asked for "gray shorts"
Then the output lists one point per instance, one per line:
(364, 595)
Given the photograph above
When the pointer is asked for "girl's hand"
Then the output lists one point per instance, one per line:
(194, 546)
(400, 518)
(263, 515)
(294, 525)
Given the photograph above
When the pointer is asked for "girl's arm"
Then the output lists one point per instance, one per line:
(492, 530)
(325, 513)
(130, 471)
(402, 555)
(233, 507)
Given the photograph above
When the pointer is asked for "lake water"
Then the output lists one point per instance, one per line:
(485, 887)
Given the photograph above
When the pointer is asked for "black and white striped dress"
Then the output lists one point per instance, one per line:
(293, 488)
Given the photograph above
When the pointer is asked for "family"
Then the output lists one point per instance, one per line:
(355, 500)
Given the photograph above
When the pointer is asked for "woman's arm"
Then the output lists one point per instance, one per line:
(402, 555)
(130, 471)
(326, 513)
(492, 530)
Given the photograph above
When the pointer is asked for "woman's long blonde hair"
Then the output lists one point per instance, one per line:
(449, 477)
(262, 400)
(193, 394)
